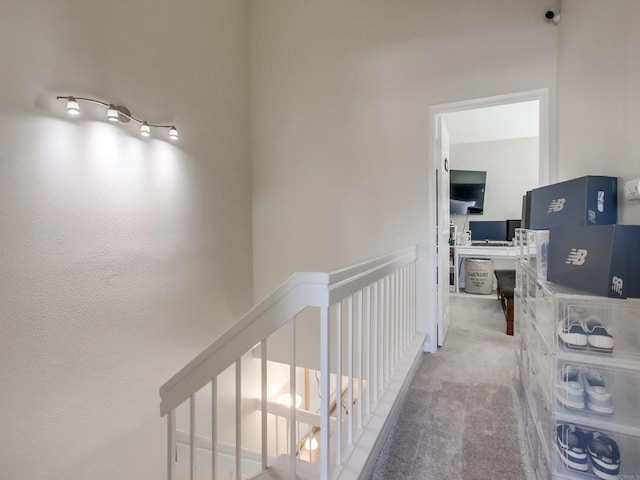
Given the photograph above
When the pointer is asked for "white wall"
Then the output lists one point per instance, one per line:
(512, 169)
(121, 257)
(340, 96)
(599, 92)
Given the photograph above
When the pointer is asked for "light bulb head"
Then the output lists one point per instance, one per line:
(173, 133)
(72, 106)
(145, 131)
(112, 114)
(311, 443)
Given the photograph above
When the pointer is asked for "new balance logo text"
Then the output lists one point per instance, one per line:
(616, 285)
(556, 205)
(577, 256)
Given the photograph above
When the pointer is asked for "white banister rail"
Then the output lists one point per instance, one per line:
(366, 326)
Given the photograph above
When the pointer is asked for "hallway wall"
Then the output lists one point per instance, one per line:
(121, 257)
(599, 92)
(512, 169)
(340, 93)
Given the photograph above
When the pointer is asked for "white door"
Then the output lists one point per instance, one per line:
(442, 219)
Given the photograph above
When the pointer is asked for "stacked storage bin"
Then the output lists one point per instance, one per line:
(577, 374)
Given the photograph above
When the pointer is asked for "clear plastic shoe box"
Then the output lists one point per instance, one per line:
(586, 373)
(628, 447)
(532, 247)
(522, 245)
(604, 396)
(586, 327)
(538, 246)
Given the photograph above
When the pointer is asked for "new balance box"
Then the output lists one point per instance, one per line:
(590, 200)
(526, 210)
(601, 259)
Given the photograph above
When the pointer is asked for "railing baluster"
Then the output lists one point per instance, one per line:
(383, 336)
(369, 356)
(239, 418)
(407, 306)
(360, 358)
(409, 297)
(403, 304)
(292, 397)
(401, 310)
(171, 445)
(408, 279)
(214, 425)
(350, 372)
(390, 321)
(395, 319)
(339, 385)
(387, 328)
(374, 343)
(263, 401)
(325, 387)
(380, 356)
(192, 437)
(414, 299)
(400, 317)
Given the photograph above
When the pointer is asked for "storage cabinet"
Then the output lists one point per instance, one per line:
(577, 374)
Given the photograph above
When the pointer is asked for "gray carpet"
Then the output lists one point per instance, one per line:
(460, 418)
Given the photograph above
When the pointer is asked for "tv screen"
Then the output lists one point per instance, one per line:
(466, 192)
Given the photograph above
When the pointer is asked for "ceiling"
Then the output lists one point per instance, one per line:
(500, 122)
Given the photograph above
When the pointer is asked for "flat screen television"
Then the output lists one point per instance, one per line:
(466, 192)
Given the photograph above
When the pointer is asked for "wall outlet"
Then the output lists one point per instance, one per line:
(632, 189)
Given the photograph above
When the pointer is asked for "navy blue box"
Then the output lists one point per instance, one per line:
(526, 210)
(590, 200)
(602, 259)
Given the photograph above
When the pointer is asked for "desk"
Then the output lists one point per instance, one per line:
(495, 253)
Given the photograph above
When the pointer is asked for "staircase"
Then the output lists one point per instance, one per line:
(304, 384)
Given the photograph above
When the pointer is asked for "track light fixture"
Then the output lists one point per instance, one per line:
(145, 131)
(117, 114)
(112, 113)
(72, 106)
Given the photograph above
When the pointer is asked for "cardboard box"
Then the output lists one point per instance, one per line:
(590, 200)
(602, 259)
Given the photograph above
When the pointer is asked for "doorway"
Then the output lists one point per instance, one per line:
(440, 166)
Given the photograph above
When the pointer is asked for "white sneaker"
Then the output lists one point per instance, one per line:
(599, 399)
(598, 336)
(570, 388)
(572, 333)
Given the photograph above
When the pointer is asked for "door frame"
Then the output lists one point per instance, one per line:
(547, 174)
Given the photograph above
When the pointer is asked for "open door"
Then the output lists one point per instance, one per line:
(442, 219)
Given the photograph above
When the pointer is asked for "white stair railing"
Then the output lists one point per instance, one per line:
(367, 327)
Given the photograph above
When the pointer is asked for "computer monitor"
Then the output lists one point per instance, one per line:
(511, 229)
(488, 230)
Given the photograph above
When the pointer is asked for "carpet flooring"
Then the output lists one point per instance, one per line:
(460, 418)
